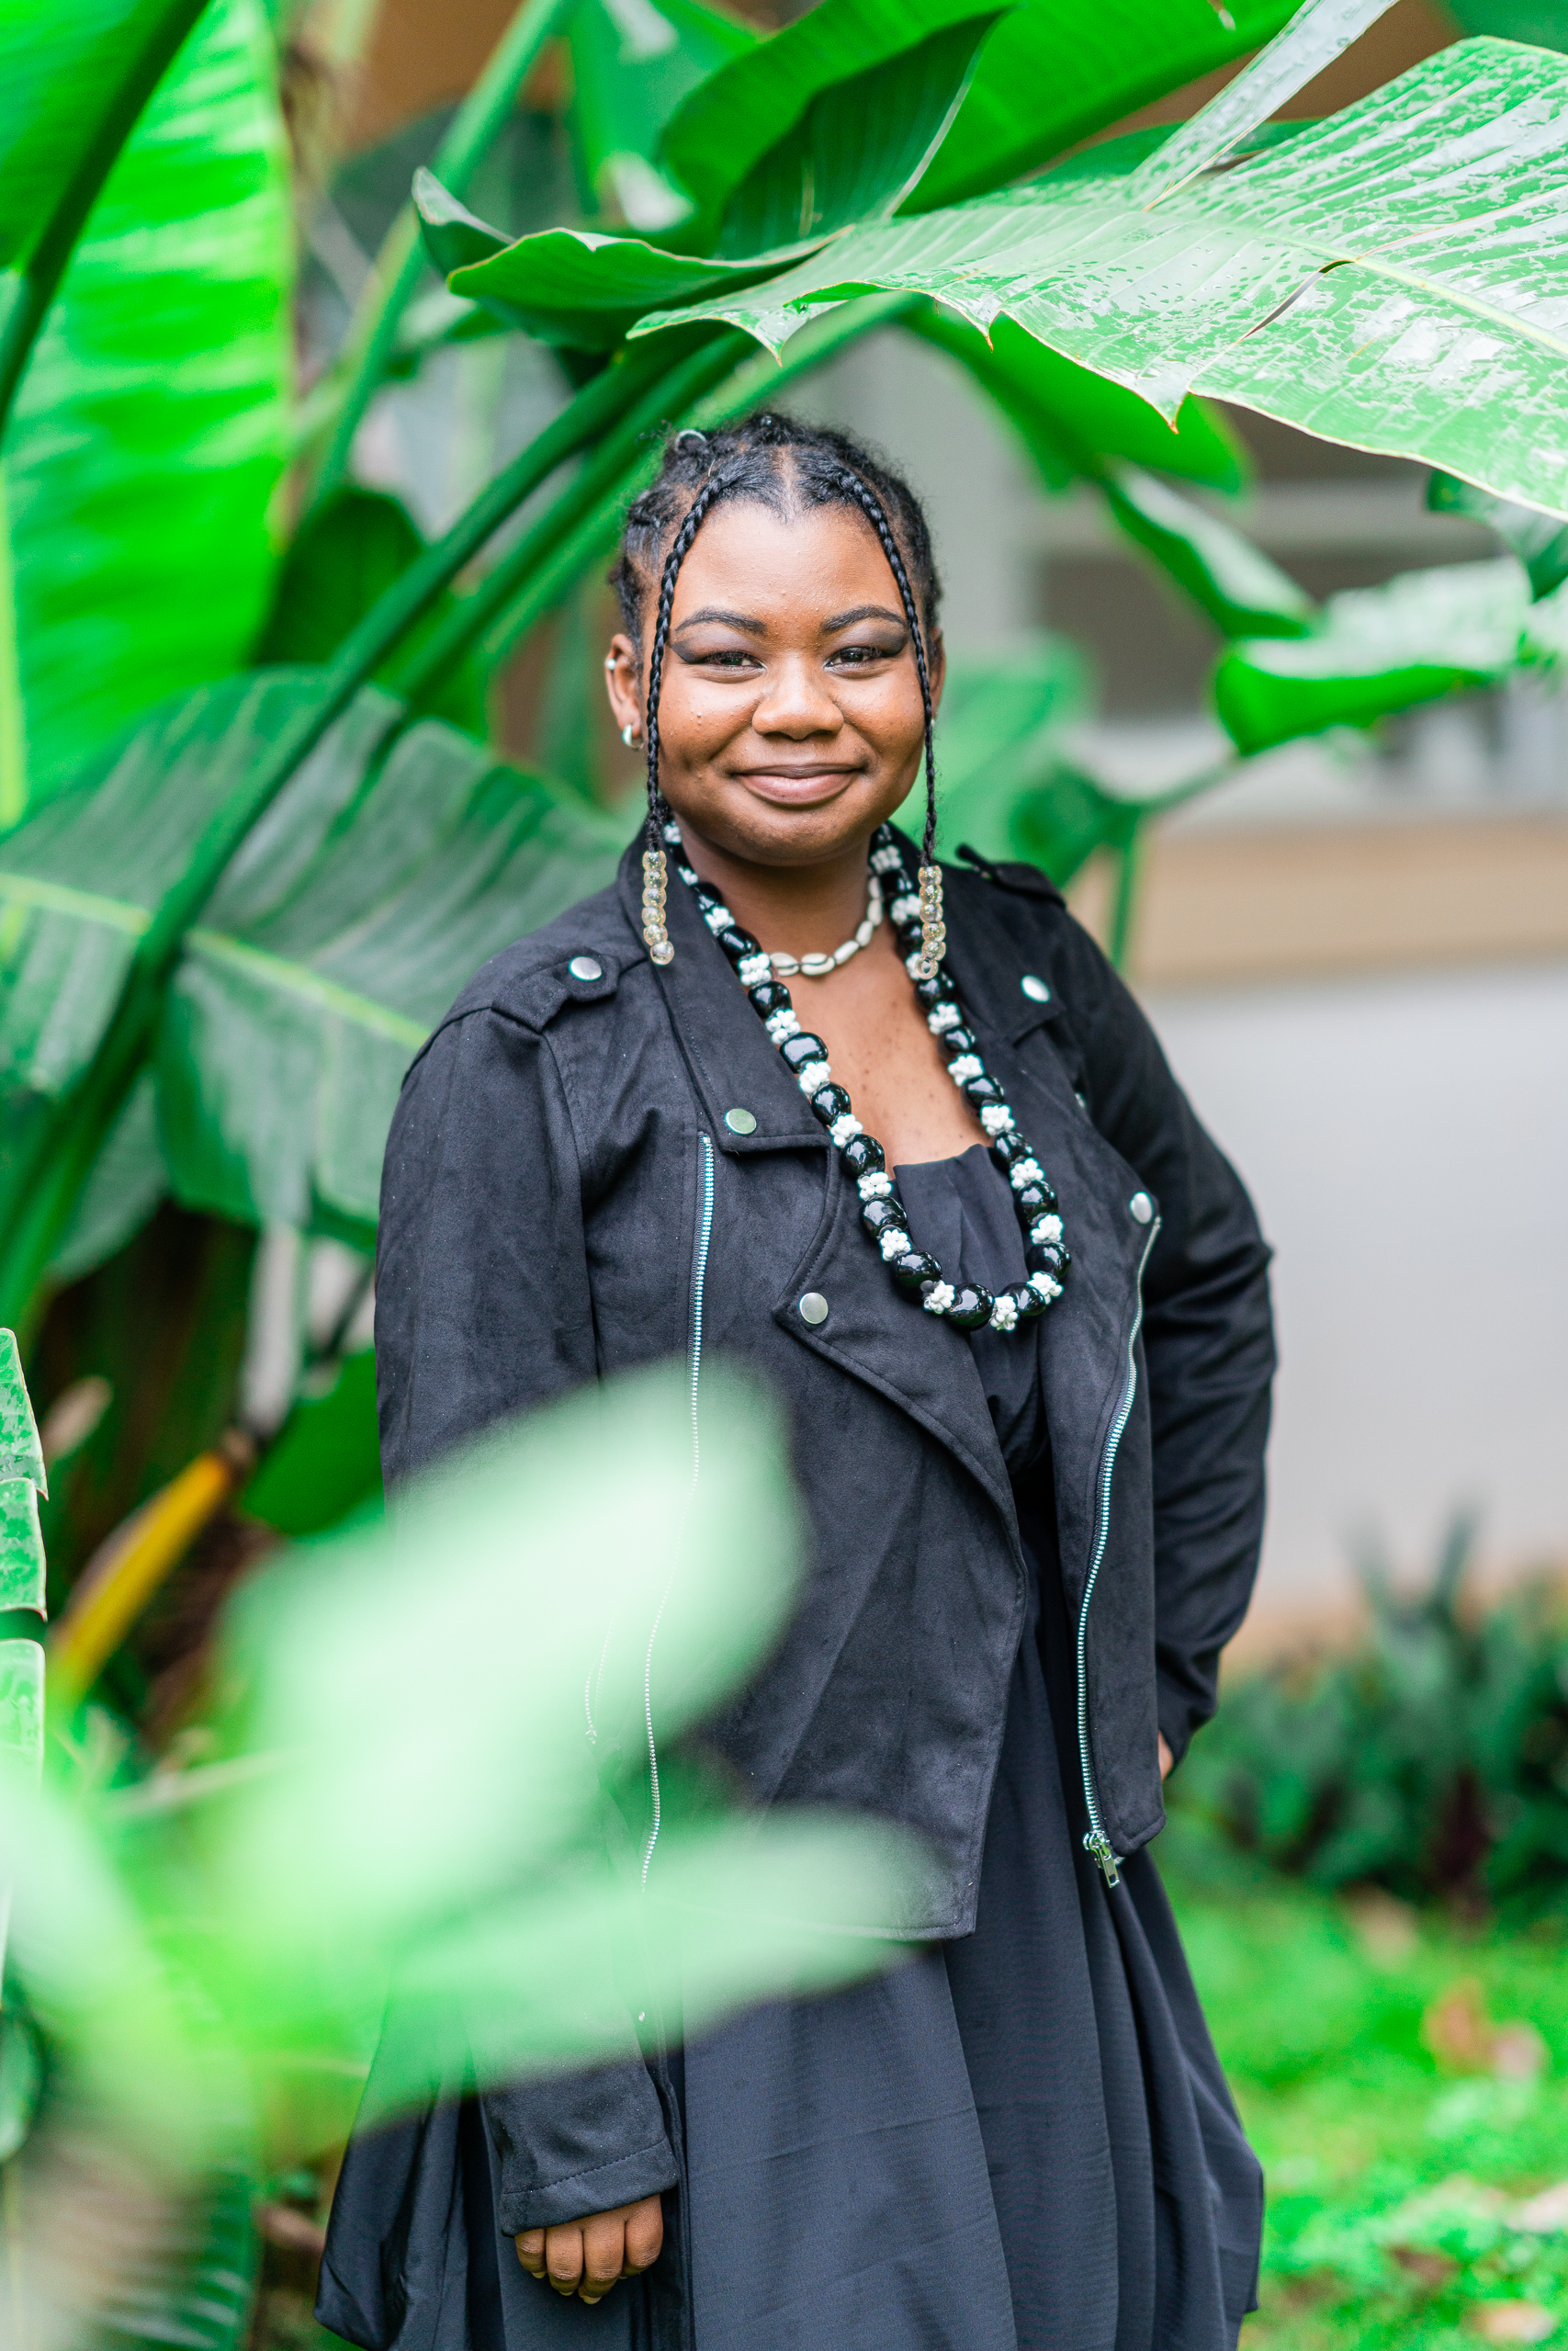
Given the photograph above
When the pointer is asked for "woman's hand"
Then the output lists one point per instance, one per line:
(585, 2257)
(1166, 1761)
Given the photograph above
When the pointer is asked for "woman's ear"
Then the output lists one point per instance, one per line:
(936, 665)
(623, 684)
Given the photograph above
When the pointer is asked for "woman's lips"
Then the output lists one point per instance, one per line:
(797, 787)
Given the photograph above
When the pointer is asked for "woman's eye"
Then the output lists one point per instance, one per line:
(861, 656)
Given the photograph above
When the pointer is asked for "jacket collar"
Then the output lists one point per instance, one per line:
(734, 1064)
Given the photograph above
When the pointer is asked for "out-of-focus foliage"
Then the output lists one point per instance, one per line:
(1432, 1761)
(428, 1775)
(22, 1575)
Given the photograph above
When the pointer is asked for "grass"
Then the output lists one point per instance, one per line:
(1405, 2084)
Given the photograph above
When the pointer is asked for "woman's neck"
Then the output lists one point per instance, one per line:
(800, 909)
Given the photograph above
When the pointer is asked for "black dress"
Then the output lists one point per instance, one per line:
(1023, 2138)
(1020, 2141)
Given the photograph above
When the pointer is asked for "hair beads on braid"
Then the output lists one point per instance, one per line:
(785, 466)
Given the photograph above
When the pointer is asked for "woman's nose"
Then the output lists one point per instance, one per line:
(795, 701)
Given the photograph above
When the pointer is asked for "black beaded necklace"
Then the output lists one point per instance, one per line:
(915, 1273)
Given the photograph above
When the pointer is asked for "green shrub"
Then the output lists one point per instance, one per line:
(1432, 1760)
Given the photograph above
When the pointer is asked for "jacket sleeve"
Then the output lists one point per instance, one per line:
(483, 1309)
(482, 1303)
(1208, 1338)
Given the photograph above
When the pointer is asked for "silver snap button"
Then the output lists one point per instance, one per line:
(814, 1308)
(1141, 1206)
(740, 1122)
(1035, 989)
(584, 968)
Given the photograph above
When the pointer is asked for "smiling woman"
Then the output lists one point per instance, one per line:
(1031, 1532)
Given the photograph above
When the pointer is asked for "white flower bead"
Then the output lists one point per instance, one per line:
(1046, 1228)
(814, 1077)
(915, 965)
(719, 918)
(782, 1024)
(878, 1185)
(942, 1017)
(938, 1298)
(893, 1243)
(688, 875)
(964, 1066)
(1024, 1171)
(904, 909)
(844, 1130)
(753, 970)
(885, 861)
(996, 1118)
(1044, 1286)
(1004, 1315)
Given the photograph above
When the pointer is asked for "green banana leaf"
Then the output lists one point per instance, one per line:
(833, 120)
(1224, 575)
(998, 732)
(1540, 541)
(1068, 418)
(72, 81)
(149, 431)
(326, 1461)
(372, 890)
(1319, 33)
(349, 551)
(1392, 279)
(633, 61)
(1374, 650)
(22, 1480)
(1054, 72)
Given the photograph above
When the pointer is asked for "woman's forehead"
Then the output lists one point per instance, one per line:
(746, 556)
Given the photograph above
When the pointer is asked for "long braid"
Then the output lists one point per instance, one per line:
(871, 506)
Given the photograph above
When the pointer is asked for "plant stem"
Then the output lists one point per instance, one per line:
(401, 264)
(43, 1181)
(36, 286)
(1128, 864)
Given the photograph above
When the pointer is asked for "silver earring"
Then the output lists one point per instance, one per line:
(628, 734)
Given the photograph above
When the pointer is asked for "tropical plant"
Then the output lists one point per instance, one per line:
(1432, 1761)
(185, 1941)
(235, 899)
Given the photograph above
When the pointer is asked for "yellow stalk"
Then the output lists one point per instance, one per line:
(129, 1566)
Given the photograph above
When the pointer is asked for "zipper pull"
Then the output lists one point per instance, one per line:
(1098, 1844)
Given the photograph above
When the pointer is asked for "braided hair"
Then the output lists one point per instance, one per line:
(777, 462)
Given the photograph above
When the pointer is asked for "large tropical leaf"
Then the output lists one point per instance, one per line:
(1395, 278)
(149, 435)
(631, 63)
(72, 80)
(833, 120)
(1241, 589)
(1068, 418)
(1541, 541)
(1053, 72)
(1373, 651)
(373, 888)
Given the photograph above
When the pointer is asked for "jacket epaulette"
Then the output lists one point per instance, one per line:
(1024, 880)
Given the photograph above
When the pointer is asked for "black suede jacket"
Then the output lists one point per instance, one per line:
(590, 1151)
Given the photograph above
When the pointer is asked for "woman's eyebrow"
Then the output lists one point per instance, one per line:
(861, 612)
(753, 627)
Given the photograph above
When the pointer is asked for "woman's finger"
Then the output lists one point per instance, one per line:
(563, 2255)
(604, 2254)
(645, 2235)
(531, 2252)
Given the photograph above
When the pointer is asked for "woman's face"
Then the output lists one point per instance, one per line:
(790, 721)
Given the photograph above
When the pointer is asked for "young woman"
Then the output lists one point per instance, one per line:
(1023, 1341)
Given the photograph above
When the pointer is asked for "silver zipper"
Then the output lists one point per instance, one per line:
(699, 1275)
(1097, 1842)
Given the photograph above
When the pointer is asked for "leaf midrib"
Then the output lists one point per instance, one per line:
(308, 987)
